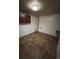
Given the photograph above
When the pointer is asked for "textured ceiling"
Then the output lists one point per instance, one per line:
(49, 7)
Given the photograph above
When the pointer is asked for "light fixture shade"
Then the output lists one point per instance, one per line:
(35, 8)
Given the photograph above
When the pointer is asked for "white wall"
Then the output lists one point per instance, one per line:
(49, 24)
(29, 28)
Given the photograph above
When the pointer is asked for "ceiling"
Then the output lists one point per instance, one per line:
(48, 7)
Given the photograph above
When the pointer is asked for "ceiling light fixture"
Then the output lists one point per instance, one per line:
(35, 7)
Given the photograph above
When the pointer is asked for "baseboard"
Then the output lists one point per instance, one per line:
(40, 32)
(47, 34)
(27, 34)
